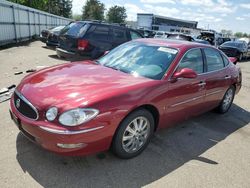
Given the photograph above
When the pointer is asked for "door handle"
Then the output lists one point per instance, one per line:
(202, 83)
(227, 77)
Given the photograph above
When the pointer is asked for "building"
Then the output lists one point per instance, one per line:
(162, 23)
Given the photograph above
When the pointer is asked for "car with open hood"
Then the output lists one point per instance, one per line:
(118, 101)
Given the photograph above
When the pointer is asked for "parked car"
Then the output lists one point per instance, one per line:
(91, 39)
(121, 99)
(160, 34)
(52, 39)
(147, 33)
(238, 49)
(201, 41)
(180, 36)
(46, 32)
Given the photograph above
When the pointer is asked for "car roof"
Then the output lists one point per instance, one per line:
(179, 44)
(96, 22)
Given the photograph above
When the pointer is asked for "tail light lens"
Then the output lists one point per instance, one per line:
(82, 44)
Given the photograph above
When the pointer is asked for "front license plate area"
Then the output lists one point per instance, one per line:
(16, 120)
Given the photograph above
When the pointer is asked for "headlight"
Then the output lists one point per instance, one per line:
(51, 113)
(77, 116)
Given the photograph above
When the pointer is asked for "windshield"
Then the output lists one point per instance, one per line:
(233, 44)
(140, 59)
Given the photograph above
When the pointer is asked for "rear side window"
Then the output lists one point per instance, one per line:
(214, 59)
(99, 33)
(192, 60)
(134, 35)
(76, 29)
(226, 61)
(120, 35)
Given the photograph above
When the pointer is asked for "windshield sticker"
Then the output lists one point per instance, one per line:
(168, 50)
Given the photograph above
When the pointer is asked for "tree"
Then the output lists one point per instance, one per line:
(227, 33)
(238, 34)
(77, 17)
(116, 14)
(93, 10)
(245, 35)
(57, 7)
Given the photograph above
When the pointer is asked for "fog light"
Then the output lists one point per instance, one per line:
(71, 146)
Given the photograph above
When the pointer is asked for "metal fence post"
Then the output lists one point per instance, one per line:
(29, 23)
(14, 22)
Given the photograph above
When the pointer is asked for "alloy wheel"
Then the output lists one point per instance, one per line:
(136, 134)
(226, 103)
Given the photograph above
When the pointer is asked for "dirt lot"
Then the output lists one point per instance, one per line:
(208, 151)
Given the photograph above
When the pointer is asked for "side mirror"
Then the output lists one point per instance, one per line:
(185, 73)
(234, 60)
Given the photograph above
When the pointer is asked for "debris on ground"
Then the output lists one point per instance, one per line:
(17, 73)
(6, 93)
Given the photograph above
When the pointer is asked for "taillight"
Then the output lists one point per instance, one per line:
(82, 44)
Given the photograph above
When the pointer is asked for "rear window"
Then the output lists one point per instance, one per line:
(76, 29)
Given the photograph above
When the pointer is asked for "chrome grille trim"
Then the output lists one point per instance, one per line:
(27, 102)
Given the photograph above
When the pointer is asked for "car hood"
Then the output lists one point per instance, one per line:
(78, 83)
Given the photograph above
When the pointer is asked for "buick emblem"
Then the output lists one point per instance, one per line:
(18, 103)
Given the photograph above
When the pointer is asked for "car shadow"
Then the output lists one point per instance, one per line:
(72, 59)
(168, 150)
(49, 47)
(245, 60)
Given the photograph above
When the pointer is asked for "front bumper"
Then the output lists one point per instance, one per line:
(71, 143)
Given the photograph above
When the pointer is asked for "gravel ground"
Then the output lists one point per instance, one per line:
(207, 151)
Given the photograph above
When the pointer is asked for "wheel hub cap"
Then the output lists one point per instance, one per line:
(136, 134)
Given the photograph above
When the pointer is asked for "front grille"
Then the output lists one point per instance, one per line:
(24, 106)
(53, 38)
(44, 34)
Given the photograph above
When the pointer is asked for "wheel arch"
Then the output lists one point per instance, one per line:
(149, 107)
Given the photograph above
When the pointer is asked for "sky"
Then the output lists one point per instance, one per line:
(213, 14)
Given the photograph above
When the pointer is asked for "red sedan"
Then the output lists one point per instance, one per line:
(120, 100)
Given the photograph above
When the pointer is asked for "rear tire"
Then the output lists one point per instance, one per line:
(133, 134)
(227, 100)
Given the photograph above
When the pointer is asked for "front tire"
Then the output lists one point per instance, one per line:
(133, 134)
(227, 100)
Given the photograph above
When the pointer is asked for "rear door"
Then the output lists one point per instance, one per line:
(99, 38)
(68, 39)
(217, 77)
(185, 97)
(119, 36)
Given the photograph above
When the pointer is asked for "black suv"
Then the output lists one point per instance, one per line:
(91, 39)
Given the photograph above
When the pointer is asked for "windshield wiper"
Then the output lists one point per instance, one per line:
(115, 68)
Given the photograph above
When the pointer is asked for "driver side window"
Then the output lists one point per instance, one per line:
(192, 60)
